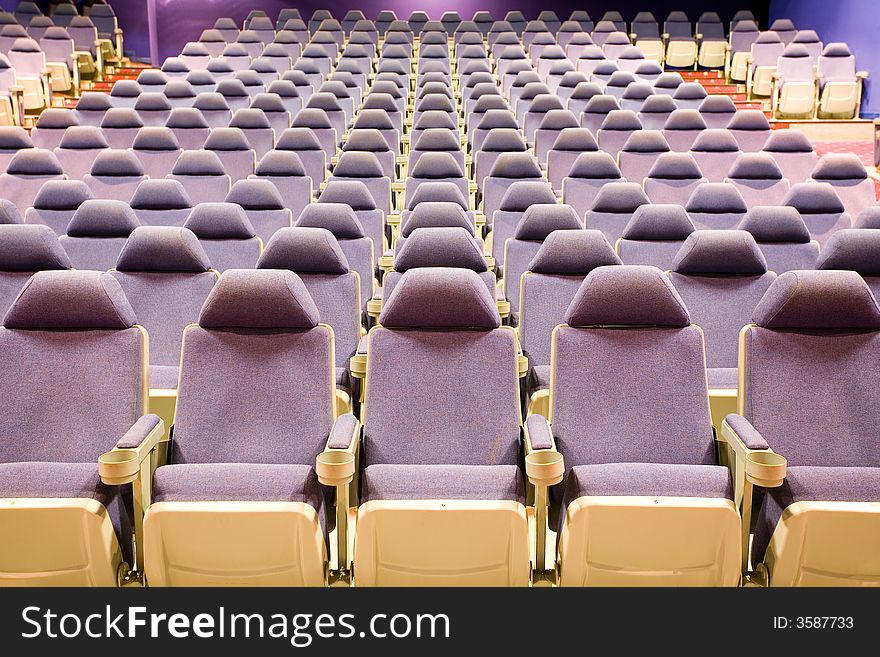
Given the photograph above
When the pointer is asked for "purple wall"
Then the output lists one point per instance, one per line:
(179, 21)
(857, 22)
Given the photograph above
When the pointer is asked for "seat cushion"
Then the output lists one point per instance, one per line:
(649, 479)
(163, 377)
(814, 484)
(723, 378)
(442, 482)
(40, 479)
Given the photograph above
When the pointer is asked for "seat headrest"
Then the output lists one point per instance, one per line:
(493, 119)
(558, 120)
(658, 104)
(30, 247)
(34, 162)
(544, 103)
(638, 91)
(541, 219)
(117, 163)
(756, 166)
(160, 195)
(338, 218)
(658, 222)
(436, 139)
(717, 105)
(198, 163)
(312, 117)
(795, 51)
(503, 140)
(250, 119)
(675, 166)
(56, 118)
(25, 44)
(586, 91)
(162, 249)
(435, 119)
(235, 50)
(623, 120)
(85, 137)
(71, 300)
(377, 119)
(102, 218)
(152, 101)
(788, 141)
(358, 164)
(720, 252)
(62, 195)
(745, 26)
(259, 299)
(839, 166)
(195, 49)
(282, 89)
(298, 139)
(436, 214)
(325, 101)
(514, 165)
(211, 101)
(155, 139)
(818, 300)
(217, 66)
(94, 101)
(370, 140)
(255, 194)
(855, 249)
(749, 120)
(814, 198)
(281, 163)
(836, 49)
(573, 253)
(685, 119)
(669, 80)
(14, 138)
(716, 140)
(628, 295)
(305, 251)
(619, 197)
(716, 198)
(54, 33)
(437, 165)
(523, 193)
(575, 140)
(868, 218)
(768, 36)
(440, 298)
(597, 165)
(428, 192)
(352, 193)
(646, 141)
(227, 139)
(777, 223)
(601, 104)
(441, 246)
(9, 213)
(690, 91)
(232, 88)
(216, 221)
(178, 89)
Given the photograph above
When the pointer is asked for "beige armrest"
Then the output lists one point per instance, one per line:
(336, 466)
(122, 465)
(762, 467)
(544, 468)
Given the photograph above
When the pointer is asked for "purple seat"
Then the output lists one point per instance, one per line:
(97, 232)
(616, 129)
(819, 327)
(285, 170)
(115, 175)
(793, 153)
(765, 52)
(627, 345)
(226, 235)
(855, 250)
(635, 95)
(782, 236)
(655, 111)
(596, 110)
(673, 179)
(214, 108)
(516, 201)
(12, 140)
(202, 175)
(759, 179)
(721, 276)
(50, 127)
(460, 327)
(497, 141)
(537, 223)
(120, 126)
(436, 167)
(568, 146)
(166, 277)
(716, 206)
(78, 148)
(717, 111)
(256, 129)
(157, 149)
(55, 204)
(161, 202)
(258, 331)
(356, 195)
(25, 250)
(153, 108)
(189, 127)
(359, 251)
(26, 173)
(234, 150)
(125, 93)
(715, 151)
(365, 167)
(847, 175)
(639, 153)
(820, 208)
(840, 83)
(508, 168)
(689, 95)
(263, 205)
(682, 129)
(743, 33)
(613, 207)
(547, 287)
(304, 143)
(72, 326)
(654, 235)
(589, 174)
(751, 129)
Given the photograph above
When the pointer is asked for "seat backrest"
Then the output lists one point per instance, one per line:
(716, 206)
(24, 250)
(849, 178)
(654, 235)
(258, 335)
(627, 345)
(446, 320)
(56, 202)
(71, 326)
(782, 236)
(614, 206)
(97, 232)
(837, 63)
(820, 207)
(856, 250)
(226, 234)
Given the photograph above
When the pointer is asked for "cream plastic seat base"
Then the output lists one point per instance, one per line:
(234, 544)
(652, 49)
(739, 66)
(826, 544)
(681, 54)
(57, 542)
(650, 541)
(839, 99)
(59, 76)
(762, 81)
(797, 99)
(712, 54)
(441, 543)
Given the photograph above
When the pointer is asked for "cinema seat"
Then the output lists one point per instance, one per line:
(654, 235)
(25, 250)
(56, 203)
(782, 236)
